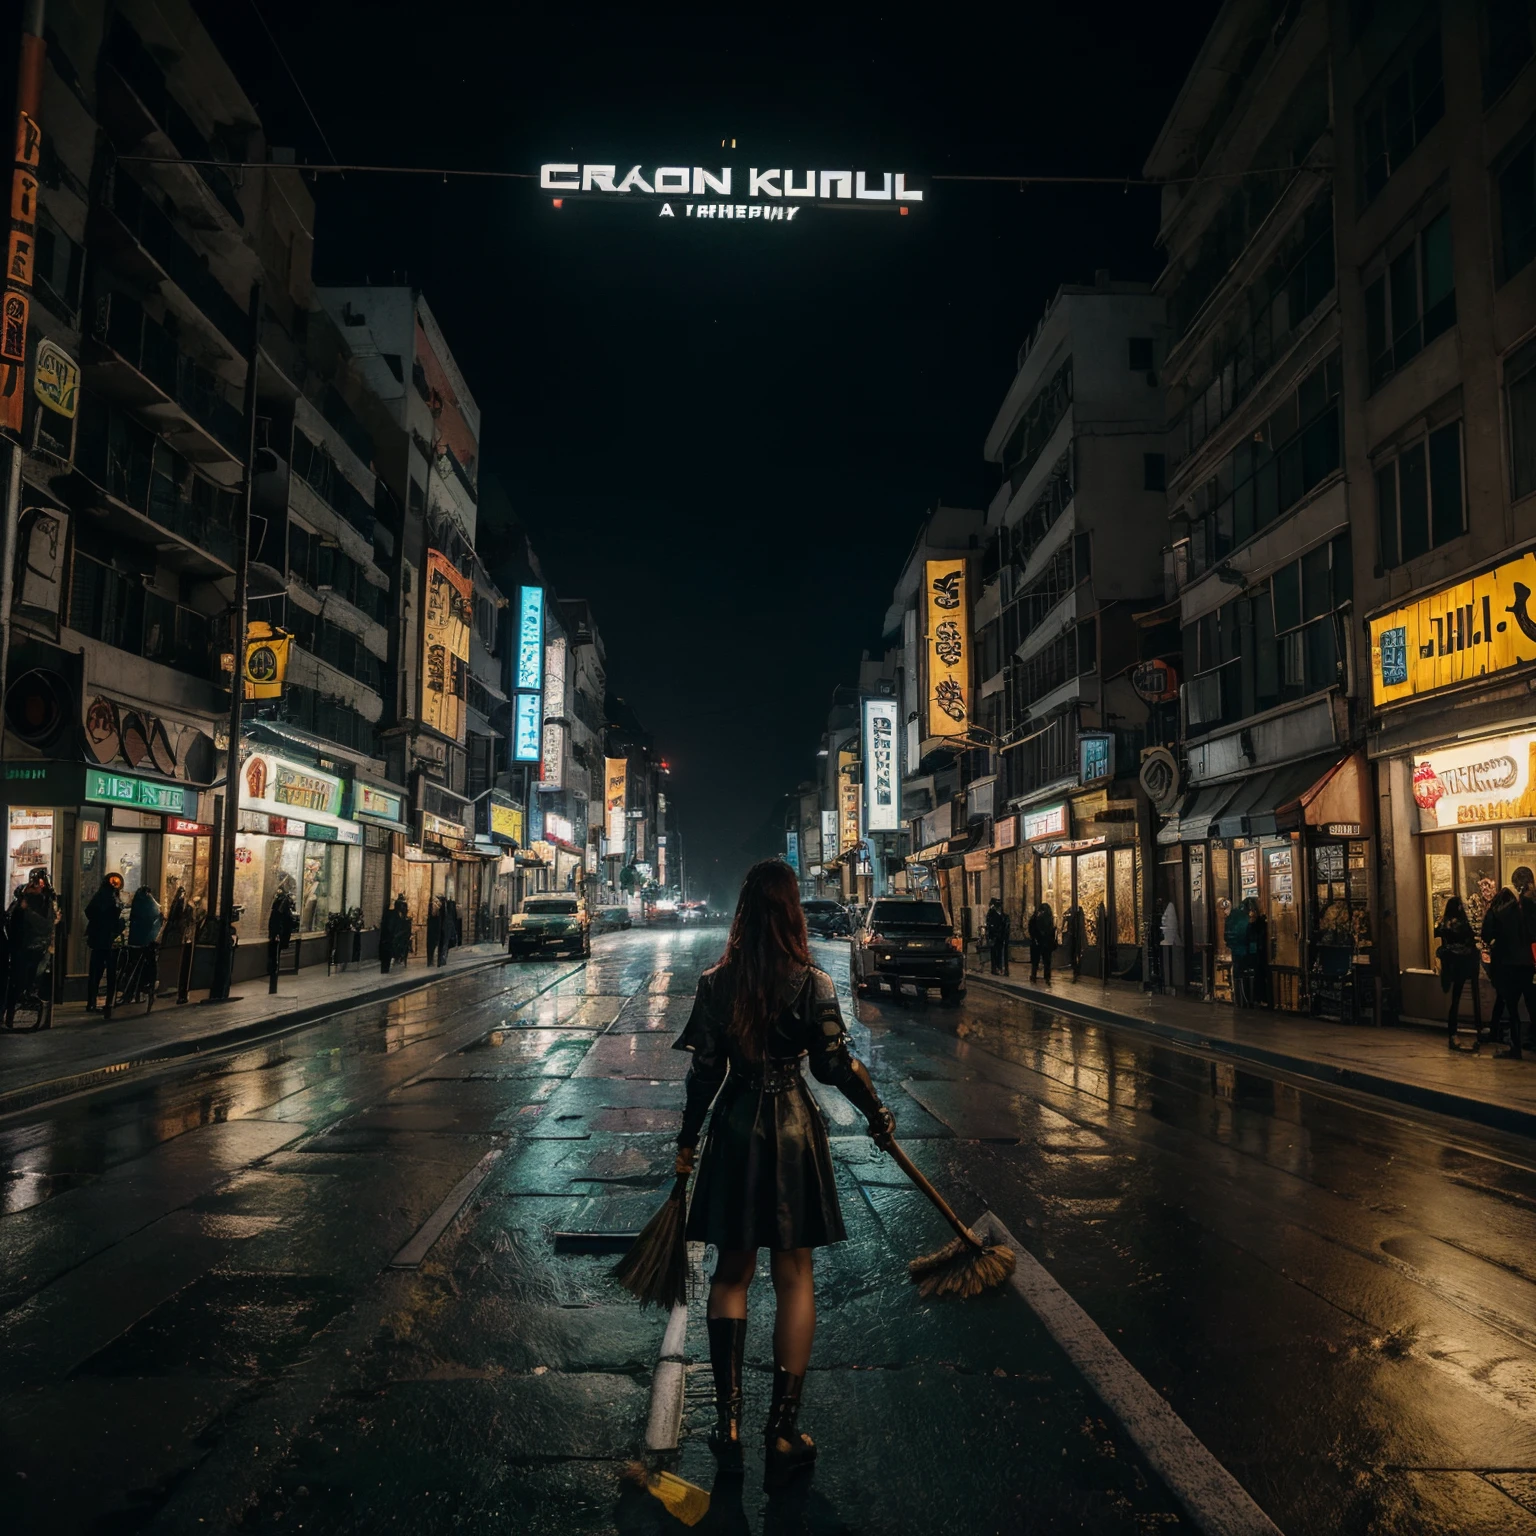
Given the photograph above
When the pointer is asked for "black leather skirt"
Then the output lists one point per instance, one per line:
(765, 1178)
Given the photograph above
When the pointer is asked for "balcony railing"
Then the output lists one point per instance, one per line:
(126, 460)
(148, 348)
(154, 233)
(116, 608)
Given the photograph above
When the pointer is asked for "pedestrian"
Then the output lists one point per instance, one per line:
(1458, 966)
(282, 920)
(996, 928)
(394, 934)
(176, 938)
(1510, 960)
(1042, 941)
(1171, 942)
(144, 926)
(1258, 951)
(1524, 882)
(1236, 934)
(436, 951)
(30, 926)
(1073, 938)
(104, 924)
(451, 933)
(767, 1179)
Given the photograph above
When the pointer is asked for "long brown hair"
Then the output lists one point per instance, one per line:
(768, 944)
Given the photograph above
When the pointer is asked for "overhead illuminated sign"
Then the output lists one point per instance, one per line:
(1095, 757)
(444, 646)
(1045, 821)
(527, 726)
(1476, 782)
(552, 764)
(847, 802)
(949, 661)
(792, 849)
(615, 793)
(1468, 630)
(882, 777)
(773, 195)
(530, 637)
(104, 788)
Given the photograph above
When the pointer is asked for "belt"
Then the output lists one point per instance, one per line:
(773, 1077)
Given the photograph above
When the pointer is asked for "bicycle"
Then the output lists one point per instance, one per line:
(141, 973)
(31, 999)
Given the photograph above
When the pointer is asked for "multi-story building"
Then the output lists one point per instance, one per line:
(148, 256)
(1068, 581)
(1434, 147)
(1261, 559)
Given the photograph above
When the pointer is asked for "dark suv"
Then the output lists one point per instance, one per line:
(908, 938)
(826, 919)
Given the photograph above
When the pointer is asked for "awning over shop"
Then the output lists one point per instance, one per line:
(1315, 792)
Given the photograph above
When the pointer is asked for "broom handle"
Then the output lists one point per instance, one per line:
(908, 1167)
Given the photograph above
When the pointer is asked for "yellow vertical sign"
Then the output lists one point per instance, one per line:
(447, 608)
(847, 804)
(616, 797)
(949, 648)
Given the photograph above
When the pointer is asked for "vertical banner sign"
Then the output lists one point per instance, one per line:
(882, 777)
(847, 802)
(16, 303)
(530, 639)
(949, 662)
(828, 836)
(552, 767)
(527, 732)
(792, 849)
(615, 793)
(445, 646)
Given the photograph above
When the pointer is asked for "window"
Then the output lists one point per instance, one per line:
(1412, 302)
(1301, 603)
(1400, 113)
(1517, 211)
(57, 265)
(1154, 475)
(1520, 383)
(1141, 354)
(1028, 439)
(1507, 44)
(1419, 502)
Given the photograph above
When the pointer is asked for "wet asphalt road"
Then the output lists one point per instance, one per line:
(199, 1331)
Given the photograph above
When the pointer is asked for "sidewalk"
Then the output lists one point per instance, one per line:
(81, 1049)
(1409, 1065)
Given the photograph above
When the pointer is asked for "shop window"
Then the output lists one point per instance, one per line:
(1517, 211)
(1507, 44)
(1419, 501)
(1396, 116)
(1412, 301)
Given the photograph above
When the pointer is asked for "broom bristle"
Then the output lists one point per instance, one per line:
(655, 1270)
(958, 1269)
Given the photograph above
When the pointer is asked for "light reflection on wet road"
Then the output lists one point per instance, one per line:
(1338, 1301)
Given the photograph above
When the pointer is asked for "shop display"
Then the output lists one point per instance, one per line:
(29, 845)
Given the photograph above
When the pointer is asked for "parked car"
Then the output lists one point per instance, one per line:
(611, 919)
(906, 938)
(550, 923)
(826, 919)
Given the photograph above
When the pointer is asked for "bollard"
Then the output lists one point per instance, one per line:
(184, 979)
(272, 954)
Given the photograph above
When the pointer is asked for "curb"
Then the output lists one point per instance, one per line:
(244, 1034)
(1497, 1117)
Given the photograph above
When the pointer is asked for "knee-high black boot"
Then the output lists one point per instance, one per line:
(786, 1448)
(727, 1348)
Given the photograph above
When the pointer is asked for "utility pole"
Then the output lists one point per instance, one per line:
(224, 953)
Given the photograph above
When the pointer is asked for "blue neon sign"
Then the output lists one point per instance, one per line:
(530, 637)
(527, 727)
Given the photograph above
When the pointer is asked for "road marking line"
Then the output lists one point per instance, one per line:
(664, 1421)
(1213, 1498)
(416, 1250)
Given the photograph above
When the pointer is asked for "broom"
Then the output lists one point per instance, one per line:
(965, 1266)
(655, 1270)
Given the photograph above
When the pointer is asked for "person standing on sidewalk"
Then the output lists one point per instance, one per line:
(1236, 935)
(1258, 952)
(1458, 966)
(437, 942)
(144, 927)
(1042, 941)
(996, 928)
(1072, 937)
(104, 924)
(397, 918)
(1524, 882)
(767, 1178)
(282, 919)
(30, 925)
(1511, 962)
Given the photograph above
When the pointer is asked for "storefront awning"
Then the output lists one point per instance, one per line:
(1317, 791)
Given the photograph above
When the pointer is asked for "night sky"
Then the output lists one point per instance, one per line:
(726, 436)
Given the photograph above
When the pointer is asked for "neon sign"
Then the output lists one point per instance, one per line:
(785, 190)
